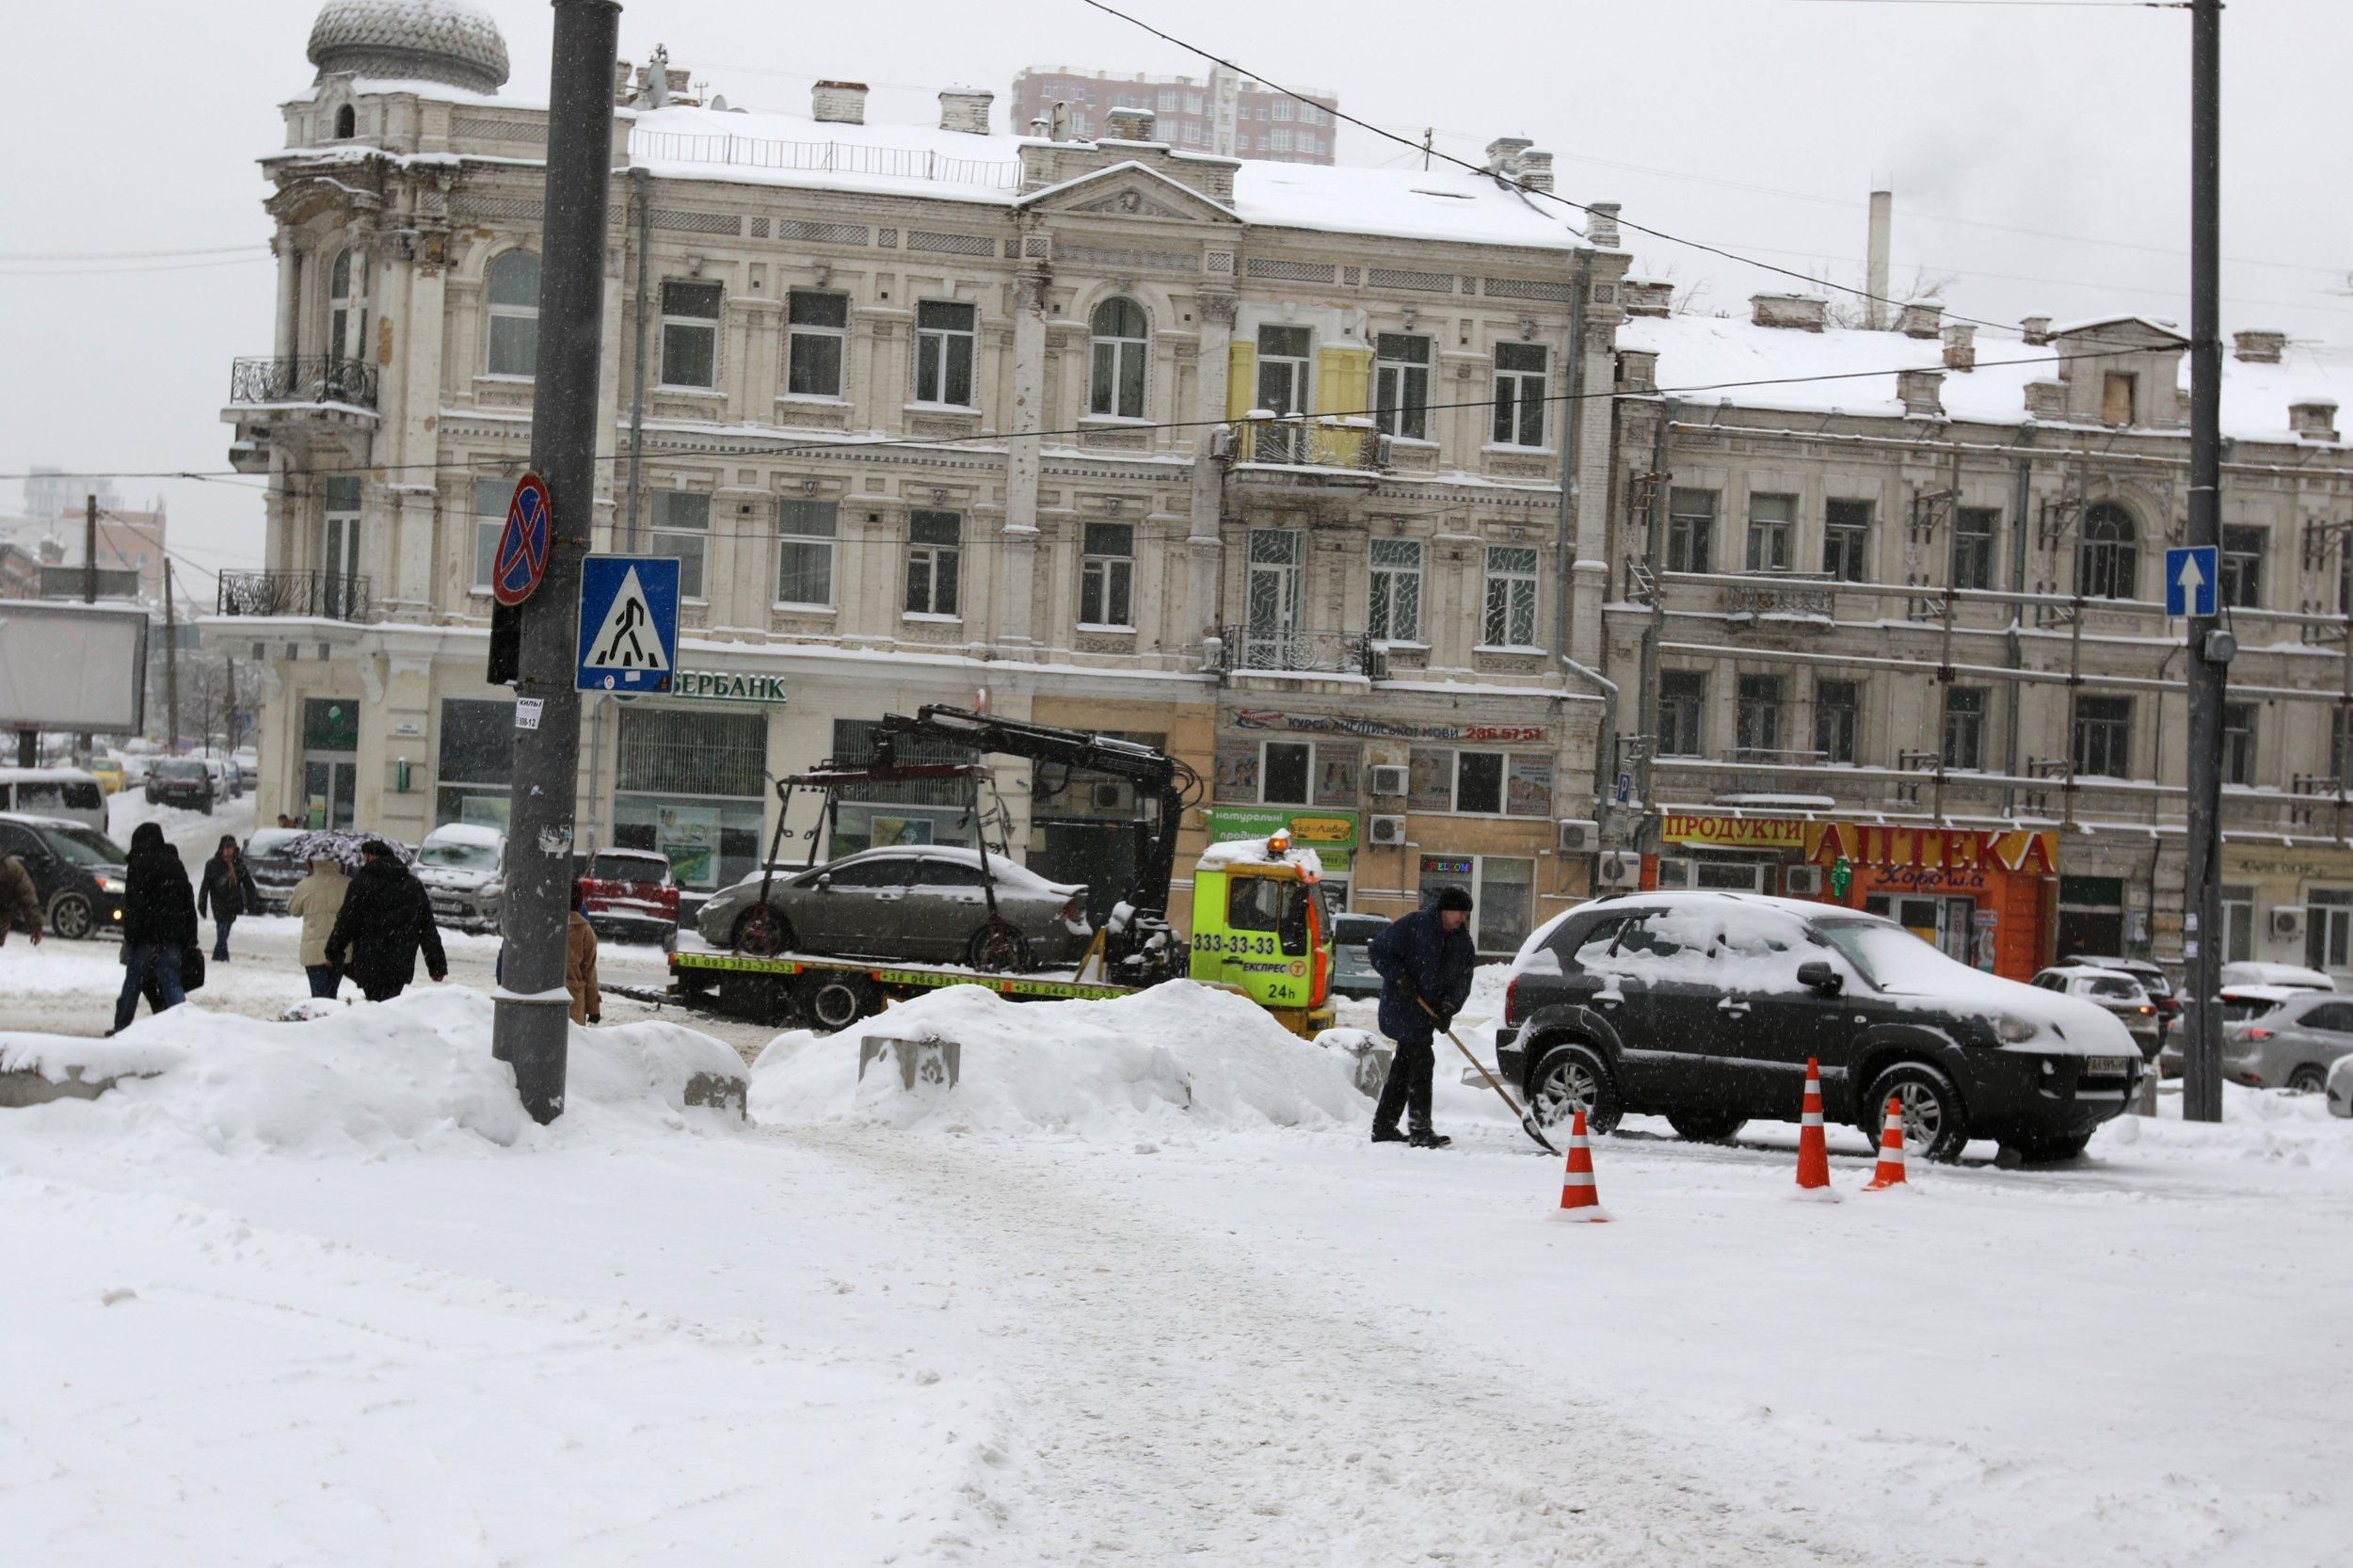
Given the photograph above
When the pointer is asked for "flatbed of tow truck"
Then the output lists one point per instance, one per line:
(832, 993)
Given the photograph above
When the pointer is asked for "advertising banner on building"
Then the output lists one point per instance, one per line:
(1331, 834)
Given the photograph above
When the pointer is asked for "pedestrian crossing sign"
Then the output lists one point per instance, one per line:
(628, 623)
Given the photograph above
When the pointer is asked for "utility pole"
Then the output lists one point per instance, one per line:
(171, 666)
(2210, 647)
(533, 1015)
(90, 587)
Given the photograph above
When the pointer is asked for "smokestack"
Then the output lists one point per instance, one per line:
(1875, 268)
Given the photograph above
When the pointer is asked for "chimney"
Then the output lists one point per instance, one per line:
(1503, 154)
(1920, 320)
(1058, 121)
(2259, 346)
(839, 102)
(1601, 225)
(621, 79)
(1644, 298)
(2046, 399)
(966, 109)
(2035, 330)
(1536, 169)
(1637, 370)
(1127, 122)
(1922, 391)
(1875, 265)
(1805, 312)
(2313, 419)
(1961, 347)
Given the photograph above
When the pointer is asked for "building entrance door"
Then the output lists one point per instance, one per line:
(330, 790)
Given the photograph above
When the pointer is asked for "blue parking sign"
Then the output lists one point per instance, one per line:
(2193, 575)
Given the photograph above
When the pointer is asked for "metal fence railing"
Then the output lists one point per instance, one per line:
(825, 157)
(322, 595)
(311, 379)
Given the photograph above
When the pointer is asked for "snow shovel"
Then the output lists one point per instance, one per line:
(1527, 1118)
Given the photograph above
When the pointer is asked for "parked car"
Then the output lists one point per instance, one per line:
(248, 766)
(1704, 1006)
(108, 772)
(275, 871)
(2151, 976)
(629, 895)
(68, 792)
(134, 765)
(2239, 1003)
(1352, 974)
(920, 905)
(225, 785)
(2294, 975)
(2291, 1044)
(182, 781)
(77, 871)
(2116, 991)
(463, 867)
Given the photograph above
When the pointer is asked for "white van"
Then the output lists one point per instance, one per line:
(67, 792)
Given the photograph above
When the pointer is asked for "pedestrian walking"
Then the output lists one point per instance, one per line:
(158, 925)
(228, 892)
(385, 919)
(1425, 958)
(317, 899)
(20, 901)
(580, 965)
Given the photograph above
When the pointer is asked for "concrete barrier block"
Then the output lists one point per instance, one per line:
(929, 1062)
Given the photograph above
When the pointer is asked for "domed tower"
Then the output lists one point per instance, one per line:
(454, 42)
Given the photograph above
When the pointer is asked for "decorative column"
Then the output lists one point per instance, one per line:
(1204, 551)
(1018, 567)
(289, 324)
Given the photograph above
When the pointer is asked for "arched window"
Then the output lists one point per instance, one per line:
(1120, 327)
(347, 123)
(347, 305)
(514, 314)
(2107, 560)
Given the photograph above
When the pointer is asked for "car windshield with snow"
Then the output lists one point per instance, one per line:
(1706, 1007)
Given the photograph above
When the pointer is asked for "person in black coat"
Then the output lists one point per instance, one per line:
(227, 892)
(385, 918)
(1426, 957)
(158, 923)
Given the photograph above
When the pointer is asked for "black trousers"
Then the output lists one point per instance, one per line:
(1407, 1089)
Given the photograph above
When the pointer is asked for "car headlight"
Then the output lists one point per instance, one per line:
(110, 884)
(2015, 1031)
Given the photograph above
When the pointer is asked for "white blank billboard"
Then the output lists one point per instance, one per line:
(73, 666)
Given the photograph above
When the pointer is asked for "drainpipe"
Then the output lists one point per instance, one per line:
(1605, 748)
(1654, 556)
(2013, 648)
(638, 183)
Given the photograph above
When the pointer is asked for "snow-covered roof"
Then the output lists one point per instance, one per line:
(1436, 204)
(443, 40)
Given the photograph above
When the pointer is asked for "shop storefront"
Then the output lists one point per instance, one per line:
(691, 785)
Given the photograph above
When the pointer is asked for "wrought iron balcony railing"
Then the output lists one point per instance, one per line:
(1802, 596)
(315, 379)
(1298, 442)
(1303, 652)
(321, 595)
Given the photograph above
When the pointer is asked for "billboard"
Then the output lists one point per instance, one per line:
(73, 666)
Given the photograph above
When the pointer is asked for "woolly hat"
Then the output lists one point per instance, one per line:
(1453, 896)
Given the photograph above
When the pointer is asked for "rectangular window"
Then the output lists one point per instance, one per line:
(1270, 597)
(681, 527)
(807, 532)
(2238, 742)
(1528, 789)
(1479, 783)
(1430, 779)
(2117, 400)
(491, 497)
(1510, 620)
(1846, 539)
(1281, 139)
(1394, 609)
(1402, 384)
(1756, 717)
(1772, 521)
(1972, 547)
(474, 759)
(1964, 726)
(2328, 928)
(1283, 352)
(1838, 718)
(1691, 530)
(817, 331)
(1519, 394)
(1107, 574)
(2238, 923)
(1282, 108)
(690, 334)
(1682, 713)
(1168, 100)
(1285, 773)
(945, 333)
(1193, 102)
(935, 552)
(2242, 585)
(2104, 736)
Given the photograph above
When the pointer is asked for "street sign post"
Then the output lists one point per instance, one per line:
(521, 560)
(2193, 580)
(628, 623)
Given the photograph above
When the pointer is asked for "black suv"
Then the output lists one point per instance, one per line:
(79, 873)
(1703, 1007)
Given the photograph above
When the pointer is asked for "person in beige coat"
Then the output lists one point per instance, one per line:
(318, 898)
(580, 965)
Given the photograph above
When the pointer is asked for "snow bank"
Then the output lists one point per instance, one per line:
(1177, 1056)
(370, 1080)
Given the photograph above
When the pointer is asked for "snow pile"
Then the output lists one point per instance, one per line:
(410, 1076)
(1178, 1055)
(2259, 1127)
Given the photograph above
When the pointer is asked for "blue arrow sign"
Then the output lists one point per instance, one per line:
(2193, 580)
(628, 623)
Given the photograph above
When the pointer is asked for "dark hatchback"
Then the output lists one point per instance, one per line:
(1703, 1008)
(79, 873)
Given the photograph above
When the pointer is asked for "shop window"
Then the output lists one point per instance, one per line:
(691, 786)
(474, 760)
(1682, 713)
(1691, 530)
(681, 527)
(945, 333)
(1772, 527)
(1285, 773)
(1402, 384)
(1838, 718)
(2104, 736)
(1502, 890)
(1479, 783)
(2238, 742)
(817, 335)
(805, 541)
(1757, 715)
(1964, 726)
(1972, 547)
(1394, 602)
(690, 334)
(1846, 539)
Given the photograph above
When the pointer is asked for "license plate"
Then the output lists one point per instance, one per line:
(2110, 1066)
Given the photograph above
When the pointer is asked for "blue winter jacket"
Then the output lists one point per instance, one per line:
(1418, 956)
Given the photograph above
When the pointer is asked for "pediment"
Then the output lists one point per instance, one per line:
(1129, 190)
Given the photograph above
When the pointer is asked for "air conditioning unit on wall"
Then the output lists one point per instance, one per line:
(2287, 921)
(1388, 780)
(1578, 833)
(1802, 882)
(1385, 830)
(1618, 871)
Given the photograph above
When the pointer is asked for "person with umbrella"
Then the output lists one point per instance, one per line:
(386, 919)
(317, 900)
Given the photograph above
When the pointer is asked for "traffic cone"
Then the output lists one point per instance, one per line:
(1812, 1147)
(1580, 1199)
(1891, 1166)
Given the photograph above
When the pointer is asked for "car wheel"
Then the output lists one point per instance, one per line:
(997, 947)
(1572, 1078)
(2049, 1151)
(72, 917)
(1699, 1127)
(1936, 1125)
(762, 933)
(2307, 1080)
(836, 1001)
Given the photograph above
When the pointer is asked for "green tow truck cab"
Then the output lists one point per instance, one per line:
(1259, 927)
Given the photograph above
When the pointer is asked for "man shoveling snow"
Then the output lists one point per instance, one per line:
(1426, 958)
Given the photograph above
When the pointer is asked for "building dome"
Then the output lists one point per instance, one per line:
(433, 41)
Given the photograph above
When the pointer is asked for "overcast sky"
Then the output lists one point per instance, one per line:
(2038, 158)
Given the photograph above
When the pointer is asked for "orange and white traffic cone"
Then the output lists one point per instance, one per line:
(1813, 1144)
(1579, 1198)
(1891, 1166)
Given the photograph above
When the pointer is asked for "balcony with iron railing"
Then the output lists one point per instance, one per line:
(1244, 650)
(1299, 441)
(1805, 598)
(311, 381)
(297, 595)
